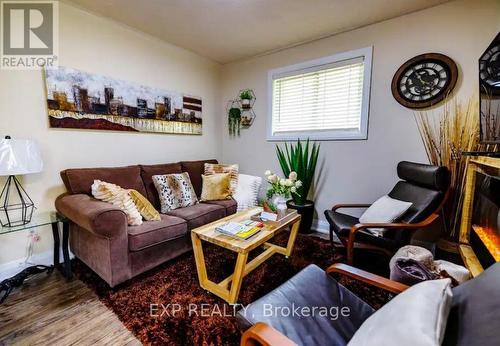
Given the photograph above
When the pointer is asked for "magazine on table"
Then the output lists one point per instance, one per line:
(240, 230)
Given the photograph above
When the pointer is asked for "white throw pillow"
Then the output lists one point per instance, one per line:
(119, 197)
(247, 191)
(384, 210)
(415, 317)
(458, 272)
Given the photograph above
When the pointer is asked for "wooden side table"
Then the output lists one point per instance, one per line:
(40, 219)
(242, 247)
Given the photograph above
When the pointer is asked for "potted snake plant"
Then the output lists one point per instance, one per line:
(300, 158)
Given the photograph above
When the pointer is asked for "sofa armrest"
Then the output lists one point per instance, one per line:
(96, 216)
(265, 335)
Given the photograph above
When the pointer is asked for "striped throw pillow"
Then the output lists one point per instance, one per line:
(119, 197)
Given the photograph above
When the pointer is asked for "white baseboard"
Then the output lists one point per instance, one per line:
(321, 226)
(11, 268)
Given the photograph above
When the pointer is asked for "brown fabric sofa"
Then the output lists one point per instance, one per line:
(100, 236)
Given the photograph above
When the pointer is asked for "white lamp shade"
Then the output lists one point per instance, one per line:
(19, 156)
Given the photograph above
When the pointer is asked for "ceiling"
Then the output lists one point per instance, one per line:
(230, 30)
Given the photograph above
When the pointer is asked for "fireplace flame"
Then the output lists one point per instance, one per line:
(490, 238)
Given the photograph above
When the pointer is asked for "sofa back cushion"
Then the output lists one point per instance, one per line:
(80, 180)
(195, 169)
(147, 172)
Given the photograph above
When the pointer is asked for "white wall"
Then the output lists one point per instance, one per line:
(361, 171)
(101, 46)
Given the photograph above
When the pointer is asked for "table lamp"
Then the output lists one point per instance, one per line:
(17, 157)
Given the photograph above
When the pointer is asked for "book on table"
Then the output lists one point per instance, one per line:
(240, 230)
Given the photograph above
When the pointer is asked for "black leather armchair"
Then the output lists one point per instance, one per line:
(425, 186)
(473, 320)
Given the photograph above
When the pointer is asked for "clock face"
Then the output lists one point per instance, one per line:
(424, 80)
(489, 68)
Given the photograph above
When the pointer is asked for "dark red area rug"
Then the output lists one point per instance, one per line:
(201, 318)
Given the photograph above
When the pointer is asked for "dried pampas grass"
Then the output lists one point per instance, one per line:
(446, 137)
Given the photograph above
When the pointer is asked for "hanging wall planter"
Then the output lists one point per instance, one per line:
(234, 117)
(247, 98)
(247, 117)
(240, 112)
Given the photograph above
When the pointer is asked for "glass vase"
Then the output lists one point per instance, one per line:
(279, 201)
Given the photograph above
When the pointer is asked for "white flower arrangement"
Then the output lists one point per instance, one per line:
(282, 186)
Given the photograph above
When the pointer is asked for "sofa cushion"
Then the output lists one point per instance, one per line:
(317, 328)
(199, 214)
(229, 204)
(154, 232)
(147, 172)
(79, 180)
(195, 169)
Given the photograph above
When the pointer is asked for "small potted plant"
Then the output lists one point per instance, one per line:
(280, 191)
(246, 98)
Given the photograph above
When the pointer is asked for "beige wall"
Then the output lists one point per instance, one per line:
(100, 46)
(361, 171)
(353, 171)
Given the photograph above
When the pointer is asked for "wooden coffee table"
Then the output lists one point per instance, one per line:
(229, 288)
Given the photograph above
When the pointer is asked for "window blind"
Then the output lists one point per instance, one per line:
(319, 98)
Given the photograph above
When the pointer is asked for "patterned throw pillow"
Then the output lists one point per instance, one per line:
(119, 197)
(247, 192)
(215, 168)
(215, 187)
(175, 191)
(148, 212)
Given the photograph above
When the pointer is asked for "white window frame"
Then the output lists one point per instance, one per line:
(327, 135)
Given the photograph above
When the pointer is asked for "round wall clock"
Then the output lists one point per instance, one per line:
(489, 68)
(424, 80)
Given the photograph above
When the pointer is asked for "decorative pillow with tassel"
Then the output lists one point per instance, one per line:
(119, 197)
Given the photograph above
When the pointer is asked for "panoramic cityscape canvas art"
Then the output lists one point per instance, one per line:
(81, 100)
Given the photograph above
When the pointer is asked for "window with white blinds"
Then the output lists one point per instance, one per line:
(322, 99)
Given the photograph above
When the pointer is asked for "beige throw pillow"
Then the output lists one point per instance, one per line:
(216, 187)
(119, 197)
(215, 168)
(175, 191)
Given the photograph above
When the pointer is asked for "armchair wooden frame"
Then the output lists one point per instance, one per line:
(265, 335)
(402, 226)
